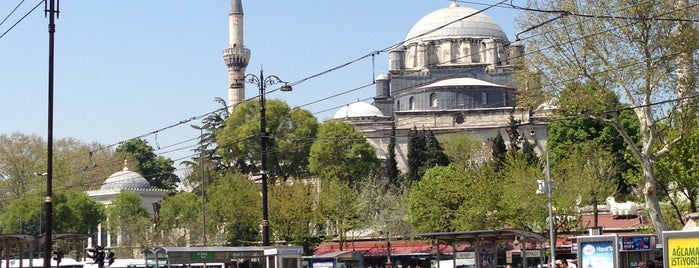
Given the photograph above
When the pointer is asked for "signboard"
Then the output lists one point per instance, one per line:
(681, 249)
(202, 255)
(325, 264)
(635, 243)
(465, 255)
(597, 251)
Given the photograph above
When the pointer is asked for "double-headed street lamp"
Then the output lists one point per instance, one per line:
(203, 192)
(262, 82)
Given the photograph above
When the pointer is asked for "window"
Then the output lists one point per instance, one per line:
(434, 102)
(398, 105)
(411, 103)
(484, 98)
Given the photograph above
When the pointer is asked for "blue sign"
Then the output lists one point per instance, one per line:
(597, 254)
(635, 243)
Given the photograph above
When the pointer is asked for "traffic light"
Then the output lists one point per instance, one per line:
(57, 255)
(110, 257)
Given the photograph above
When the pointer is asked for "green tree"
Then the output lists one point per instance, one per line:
(392, 171)
(158, 170)
(434, 202)
(513, 132)
(290, 134)
(416, 154)
(180, 211)
(574, 134)
(293, 218)
(586, 177)
(461, 150)
(424, 152)
(382, 209)
(434, 152)
(128, 220)
(234, 206)
(654, 64)
(678, 172)
(519, 206)
(342, 153)
(338, 208)
(23, 165)
(74, 212)
(498, 150)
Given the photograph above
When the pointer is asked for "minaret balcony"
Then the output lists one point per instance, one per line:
(236, 57)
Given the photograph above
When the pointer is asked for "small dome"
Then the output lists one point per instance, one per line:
(382, 76)
(432, 26)
(357, 109)
(125, 179)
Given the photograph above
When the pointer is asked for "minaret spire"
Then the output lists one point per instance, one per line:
(236, 56)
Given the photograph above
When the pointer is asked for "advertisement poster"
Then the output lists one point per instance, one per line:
(683, 252)
(635, 243)
(597, 254)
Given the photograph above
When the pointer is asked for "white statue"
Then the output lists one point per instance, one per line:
(627, 208)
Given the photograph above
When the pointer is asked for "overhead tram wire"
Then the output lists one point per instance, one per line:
(292, 83)
(20, 19)
(11, 12)
(461, 130)
(299, 81)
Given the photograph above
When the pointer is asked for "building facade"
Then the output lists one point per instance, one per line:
(453, 73)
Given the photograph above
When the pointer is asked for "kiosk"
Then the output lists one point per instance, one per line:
(636, 249)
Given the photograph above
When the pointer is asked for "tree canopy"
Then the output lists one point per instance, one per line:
(158, 170)
(290, 135)
(654, 64)
(342, 153)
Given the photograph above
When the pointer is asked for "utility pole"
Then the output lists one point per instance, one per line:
(52, 12)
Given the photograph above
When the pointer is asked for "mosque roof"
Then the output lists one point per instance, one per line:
(455, 22)
(357, 109)
(461, 82)
(125, 179)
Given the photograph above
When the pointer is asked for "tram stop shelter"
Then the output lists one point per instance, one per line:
(224, 257)
(483, 245)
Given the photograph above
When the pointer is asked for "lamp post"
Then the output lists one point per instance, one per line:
(203, 193)
(547, 188)
(262, 82)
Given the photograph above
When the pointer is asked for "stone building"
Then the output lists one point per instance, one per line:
(453, 73)
(124, 180)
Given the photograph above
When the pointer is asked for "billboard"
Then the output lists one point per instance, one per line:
(598, 251)
(635, 243)
(681, 249)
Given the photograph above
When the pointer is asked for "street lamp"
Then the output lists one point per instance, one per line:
(547, 188)
(262, 82)
(203, 193)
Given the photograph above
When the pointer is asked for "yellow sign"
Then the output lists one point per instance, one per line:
(683, 252)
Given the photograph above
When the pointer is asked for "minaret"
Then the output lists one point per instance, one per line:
(236, 56)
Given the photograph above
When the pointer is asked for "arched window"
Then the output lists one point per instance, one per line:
(411, 103)
(397, 105)
(484, 99)
(434, 102)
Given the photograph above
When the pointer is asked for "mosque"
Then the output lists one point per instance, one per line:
(453, 73)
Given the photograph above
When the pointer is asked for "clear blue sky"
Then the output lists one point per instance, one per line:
(129, 67)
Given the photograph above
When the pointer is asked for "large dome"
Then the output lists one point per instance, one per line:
(357, 109)
(125, 179)
(476, 26)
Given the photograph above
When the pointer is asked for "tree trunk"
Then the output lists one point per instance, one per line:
(651, 198)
